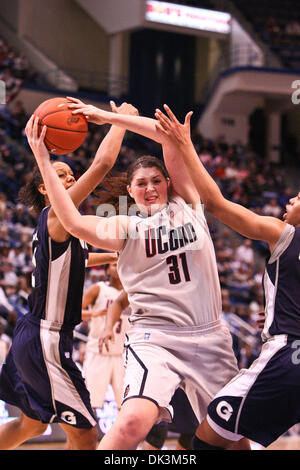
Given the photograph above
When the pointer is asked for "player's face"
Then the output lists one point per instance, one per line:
(65, 174)
(149, 189)
(292, 215)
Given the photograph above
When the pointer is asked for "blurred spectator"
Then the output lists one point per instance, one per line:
(245, 253)
(12, 84)
(247, 356)
(293, 28)
(7, 275)
(271, 26)
(272, 208)
(21, 66)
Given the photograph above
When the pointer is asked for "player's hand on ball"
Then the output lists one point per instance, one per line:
(124, 108)
(35, 140)
(91, 113)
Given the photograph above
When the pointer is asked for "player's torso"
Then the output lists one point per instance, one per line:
(168, 268)
(281, 285)
(58, 277)
(107, 294)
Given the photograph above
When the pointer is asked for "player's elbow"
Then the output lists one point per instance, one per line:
(74, 227)
(213, 205)
(105, 164)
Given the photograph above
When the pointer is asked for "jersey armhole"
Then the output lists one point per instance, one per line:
(283, 243)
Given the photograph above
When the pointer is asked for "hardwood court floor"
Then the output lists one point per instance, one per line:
(283, 443)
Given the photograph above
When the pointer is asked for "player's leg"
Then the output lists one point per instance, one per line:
(207, 439)
(97, 372)
(133, 423)
(185, 442)
(245, 406)
(117, 380)
(80, 438)
(156, 437)
(19, 430)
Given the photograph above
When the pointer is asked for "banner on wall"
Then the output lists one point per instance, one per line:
(188, 17)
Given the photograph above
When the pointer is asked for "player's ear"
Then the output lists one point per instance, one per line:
(42, 189)
(129, 190)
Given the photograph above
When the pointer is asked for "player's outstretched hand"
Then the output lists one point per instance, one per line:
(35, 140)
(92, 113)
(106, 337)
(124, 108)
(170, 127)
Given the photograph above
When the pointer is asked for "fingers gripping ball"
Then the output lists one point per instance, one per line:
(65, 131)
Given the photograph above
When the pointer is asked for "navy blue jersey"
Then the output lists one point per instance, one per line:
(281, 284)
(58, 277)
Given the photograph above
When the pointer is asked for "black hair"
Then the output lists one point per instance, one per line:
(30, 196)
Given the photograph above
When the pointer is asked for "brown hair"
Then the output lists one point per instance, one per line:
(116, 186)
(29, 194)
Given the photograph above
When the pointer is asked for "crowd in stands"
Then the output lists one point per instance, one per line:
(14, 69)
(278, 26)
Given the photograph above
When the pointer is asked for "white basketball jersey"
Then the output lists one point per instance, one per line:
(107, 295)
(168, 268)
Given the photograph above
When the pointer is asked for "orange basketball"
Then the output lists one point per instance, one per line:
(65, 131)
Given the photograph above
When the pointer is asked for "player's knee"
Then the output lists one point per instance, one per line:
(32, 427)
(133, 427)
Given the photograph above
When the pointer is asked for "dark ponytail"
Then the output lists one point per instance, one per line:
(29, 194)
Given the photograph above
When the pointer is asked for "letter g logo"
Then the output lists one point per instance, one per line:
(224, 410)
(68, 417)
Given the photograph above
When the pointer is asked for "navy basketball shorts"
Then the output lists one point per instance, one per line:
(262, 402)
(184, 420)
(40, 377)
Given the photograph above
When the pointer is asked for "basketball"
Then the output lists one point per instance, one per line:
(65, 132)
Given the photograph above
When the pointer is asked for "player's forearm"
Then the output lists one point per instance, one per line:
(98, 259)
(138, 124)
(113, 314)
(86, 314)
(109, 149)
(207, 188)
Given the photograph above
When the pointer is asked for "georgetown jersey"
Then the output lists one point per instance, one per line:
(58, 277)
(168, 268)
(281, 284)
(107, 294)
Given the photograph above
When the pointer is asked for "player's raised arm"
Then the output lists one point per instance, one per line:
(182, 183)
(105, 157)
(234, 215)
(138, 124)
(108, 234)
